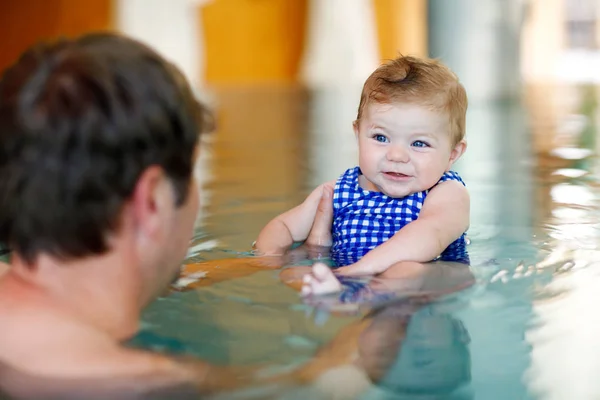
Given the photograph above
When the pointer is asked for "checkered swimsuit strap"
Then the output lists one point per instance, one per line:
(451, 176)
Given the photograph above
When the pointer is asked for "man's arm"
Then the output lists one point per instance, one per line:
(443, 218)
(293, 225)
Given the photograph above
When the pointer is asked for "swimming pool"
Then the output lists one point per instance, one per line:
(526, 330)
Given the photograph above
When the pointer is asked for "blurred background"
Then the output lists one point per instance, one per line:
(284, 78)
(491, 44)
(290, 71)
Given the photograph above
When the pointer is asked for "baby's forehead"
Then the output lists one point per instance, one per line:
(404, 115)
(376, 107)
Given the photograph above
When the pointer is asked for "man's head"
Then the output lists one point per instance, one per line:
(410, 126)
(88, 128)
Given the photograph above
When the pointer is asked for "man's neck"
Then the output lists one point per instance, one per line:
(100, 291)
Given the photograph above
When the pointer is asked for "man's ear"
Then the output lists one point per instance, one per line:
(150, 200)
(457, 152)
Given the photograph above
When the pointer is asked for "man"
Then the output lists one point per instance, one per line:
(97, 143)
(98, 138)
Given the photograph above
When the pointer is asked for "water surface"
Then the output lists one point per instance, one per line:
(528, 328)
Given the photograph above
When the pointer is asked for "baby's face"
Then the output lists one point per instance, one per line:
(403, 148)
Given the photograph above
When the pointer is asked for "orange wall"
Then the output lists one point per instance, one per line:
(401, 27)
(250, 41)
(24, 22)
(246, 41)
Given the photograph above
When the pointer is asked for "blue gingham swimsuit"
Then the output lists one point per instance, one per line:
(362, 220)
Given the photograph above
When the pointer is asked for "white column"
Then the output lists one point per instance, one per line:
(341, 43)
(341, 51)
(543, 41)
(479, 40)
(172, 27)
(598, 25)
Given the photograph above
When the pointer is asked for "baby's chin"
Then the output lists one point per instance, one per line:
(397, 193)
(401, 191)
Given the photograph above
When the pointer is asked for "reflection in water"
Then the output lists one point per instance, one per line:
(566, 319)
(532, 174)
(497, 171)
(257, 162)
(406, 349)
(432, 358)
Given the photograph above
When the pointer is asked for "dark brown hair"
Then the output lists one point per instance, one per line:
(80, 120)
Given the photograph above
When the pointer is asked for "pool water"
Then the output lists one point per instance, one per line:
(527, 329)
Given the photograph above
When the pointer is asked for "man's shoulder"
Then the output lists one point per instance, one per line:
(129, 375)
(53, 354)
(17, 385)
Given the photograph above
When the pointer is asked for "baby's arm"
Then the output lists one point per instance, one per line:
(443, 218)
(293, 225)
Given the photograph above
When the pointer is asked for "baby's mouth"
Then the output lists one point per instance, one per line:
(396, 175)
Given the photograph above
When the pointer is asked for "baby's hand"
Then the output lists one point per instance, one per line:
(321, 281)
(320, 233)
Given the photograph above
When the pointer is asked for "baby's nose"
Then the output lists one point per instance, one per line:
(398, 153)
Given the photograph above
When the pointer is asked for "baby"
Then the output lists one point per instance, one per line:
(402, 203)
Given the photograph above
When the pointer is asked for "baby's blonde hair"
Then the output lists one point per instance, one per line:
(418, 81)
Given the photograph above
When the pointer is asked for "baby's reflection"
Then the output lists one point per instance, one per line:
(410, 349)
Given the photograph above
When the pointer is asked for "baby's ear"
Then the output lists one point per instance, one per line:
(355, 126)
(457, 152)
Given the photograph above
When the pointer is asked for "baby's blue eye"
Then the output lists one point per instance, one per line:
(420, 143)
(380, 138)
